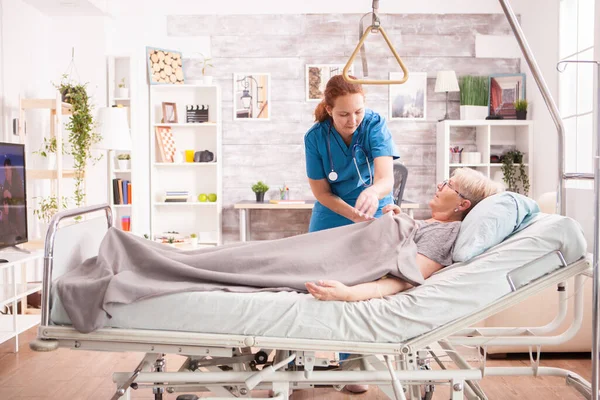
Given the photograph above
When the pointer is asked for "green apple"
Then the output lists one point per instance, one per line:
(212, 197)
(202, 197)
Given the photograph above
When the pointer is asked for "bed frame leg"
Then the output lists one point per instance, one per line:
(457, 388)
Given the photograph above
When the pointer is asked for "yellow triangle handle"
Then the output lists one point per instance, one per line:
(348, 65)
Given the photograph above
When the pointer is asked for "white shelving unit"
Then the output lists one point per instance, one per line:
(492, 137)
(193, 216)
(14, 289)
(119, 71)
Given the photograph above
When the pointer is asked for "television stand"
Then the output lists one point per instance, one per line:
(14, 247)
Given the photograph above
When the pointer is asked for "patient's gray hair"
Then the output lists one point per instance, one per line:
(474, 185)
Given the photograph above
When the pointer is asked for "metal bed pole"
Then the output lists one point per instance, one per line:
(552, 108)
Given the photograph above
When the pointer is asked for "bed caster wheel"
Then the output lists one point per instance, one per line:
(339, 388)
(193, 365)
(187, 397)
(261, 357)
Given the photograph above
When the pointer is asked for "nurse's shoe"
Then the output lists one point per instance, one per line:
(357, 388)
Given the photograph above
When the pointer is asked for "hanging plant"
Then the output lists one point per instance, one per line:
(81, 132)
(513, 175)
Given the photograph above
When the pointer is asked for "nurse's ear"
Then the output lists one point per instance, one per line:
(328, 109)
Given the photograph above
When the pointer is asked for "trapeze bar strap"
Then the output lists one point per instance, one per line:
(379, 29)
(535, 269)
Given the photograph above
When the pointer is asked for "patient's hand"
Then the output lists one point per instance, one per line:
(328, 290)
(391, 207)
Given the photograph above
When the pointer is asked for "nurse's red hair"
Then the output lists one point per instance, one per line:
(335, 88)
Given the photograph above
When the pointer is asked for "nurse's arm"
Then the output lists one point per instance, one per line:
(383, 181)
(322, 191)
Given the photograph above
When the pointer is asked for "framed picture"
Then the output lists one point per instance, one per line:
(165, 67)
(165, 144)
(505, 90)
(317, 76)
(252, 96)
(169, 111)
(409, 100)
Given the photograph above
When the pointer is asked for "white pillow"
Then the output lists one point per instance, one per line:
(491, 221)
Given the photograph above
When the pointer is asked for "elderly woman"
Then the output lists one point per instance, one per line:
(435, 237)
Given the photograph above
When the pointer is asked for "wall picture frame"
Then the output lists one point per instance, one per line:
(252, 96)
(317, 76)
(169, 111)
(165, 67)
(408, 101)
(505, 90)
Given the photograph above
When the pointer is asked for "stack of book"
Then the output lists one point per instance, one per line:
(121, 191)
(177, 196)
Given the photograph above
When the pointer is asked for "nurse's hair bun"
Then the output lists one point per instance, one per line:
(336, 87)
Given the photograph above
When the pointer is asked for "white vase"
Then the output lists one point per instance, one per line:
(207, 80)
(123, 164)
(194, 241)
(473, 112)
(51, 158)
(178, 157)
(122, 93)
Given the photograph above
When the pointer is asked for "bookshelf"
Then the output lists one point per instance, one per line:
(178, 174)
(492, 137)
(119, 69)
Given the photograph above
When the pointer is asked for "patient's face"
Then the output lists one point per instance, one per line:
(446, 199)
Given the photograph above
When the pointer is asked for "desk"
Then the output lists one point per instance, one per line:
(246, 205)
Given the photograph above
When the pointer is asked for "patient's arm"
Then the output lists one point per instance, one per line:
(334, 290)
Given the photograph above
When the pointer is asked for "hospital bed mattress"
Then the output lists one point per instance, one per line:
(454, 292)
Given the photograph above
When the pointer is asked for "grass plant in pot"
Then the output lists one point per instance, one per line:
(194, 239)
(474, 95)
(521, 109)
(259, 188)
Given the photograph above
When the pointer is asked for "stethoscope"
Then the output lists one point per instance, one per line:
(333, 176)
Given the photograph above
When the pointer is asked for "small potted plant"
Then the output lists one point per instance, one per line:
(48, 150)
(514, 172)
(122, 90)
(474, 94)
(194, 239)
(259, 188)
(521, 109)
(171, 241)
(123, 160)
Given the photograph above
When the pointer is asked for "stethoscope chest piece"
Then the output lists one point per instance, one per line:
(333, 176)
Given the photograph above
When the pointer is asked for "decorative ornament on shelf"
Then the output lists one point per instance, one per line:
(521, 109)
(165, 67)
(122, 90)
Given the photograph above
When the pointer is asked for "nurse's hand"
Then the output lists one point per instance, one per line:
(328, 290)
(391, 207)
(367, 202)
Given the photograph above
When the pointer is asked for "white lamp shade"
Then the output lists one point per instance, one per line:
(446, 82)
(114, 129)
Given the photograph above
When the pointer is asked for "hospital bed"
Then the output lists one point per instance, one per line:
(227, 337)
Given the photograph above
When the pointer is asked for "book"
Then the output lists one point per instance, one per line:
(287, 201)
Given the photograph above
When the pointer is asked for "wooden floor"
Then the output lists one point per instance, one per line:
(74, 375)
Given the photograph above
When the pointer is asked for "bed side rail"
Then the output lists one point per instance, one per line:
(536, 269)
(49, 249)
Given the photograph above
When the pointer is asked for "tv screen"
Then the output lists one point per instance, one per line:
(13, 210)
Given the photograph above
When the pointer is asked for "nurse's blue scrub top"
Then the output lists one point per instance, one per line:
(374, 137)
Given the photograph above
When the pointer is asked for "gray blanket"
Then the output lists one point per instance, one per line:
(129, 268)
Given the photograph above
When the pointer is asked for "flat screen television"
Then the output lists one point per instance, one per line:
(13, 209)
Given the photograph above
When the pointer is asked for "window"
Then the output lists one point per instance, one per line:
(576, 85)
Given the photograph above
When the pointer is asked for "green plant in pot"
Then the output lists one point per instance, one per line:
(259, 188)
(48, 150)
(206, 65)
(521, 109)
(474, 96)
(123, 161)
(81, 132)
(515, 174)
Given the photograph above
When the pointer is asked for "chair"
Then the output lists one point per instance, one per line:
(400, 176)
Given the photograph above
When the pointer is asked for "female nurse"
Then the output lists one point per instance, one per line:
(349, 158)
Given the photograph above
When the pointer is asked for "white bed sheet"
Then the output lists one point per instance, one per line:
(456, 291)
